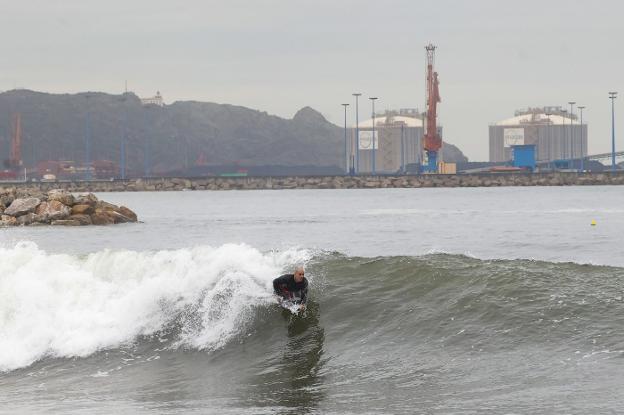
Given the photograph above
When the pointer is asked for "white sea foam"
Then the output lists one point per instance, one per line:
(63, 306)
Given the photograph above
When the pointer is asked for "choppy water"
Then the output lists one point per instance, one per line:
(422, 301)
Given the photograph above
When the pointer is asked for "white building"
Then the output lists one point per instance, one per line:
(398, 142)
(556, 134)
(155, 100)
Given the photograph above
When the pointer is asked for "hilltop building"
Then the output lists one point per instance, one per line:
(155, 100)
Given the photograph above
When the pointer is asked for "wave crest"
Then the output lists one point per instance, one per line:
(61, 305)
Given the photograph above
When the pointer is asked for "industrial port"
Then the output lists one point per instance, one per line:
(405, 141)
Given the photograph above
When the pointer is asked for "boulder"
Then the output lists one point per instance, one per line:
(88, 199)
(7, 198)
(53, 210)
(6, 220)
(82, 219)
(101, 217)
(65, 222)
(118, 217)
(24, 193)
(102, 205)
(82, 209)
(62, 196)
(128, 213)
(22, 206)
(27, 219)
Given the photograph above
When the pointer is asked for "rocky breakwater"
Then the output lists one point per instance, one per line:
(59, 207)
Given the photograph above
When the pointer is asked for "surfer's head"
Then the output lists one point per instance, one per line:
(299, 274)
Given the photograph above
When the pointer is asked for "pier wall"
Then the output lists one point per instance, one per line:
(326, 182)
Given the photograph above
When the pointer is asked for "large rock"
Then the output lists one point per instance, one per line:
(118, 214)
(53, 210)
(128, 213)
(7, 198)
(22, 206)
(88, 199)
(28, 192)
(82, 209)
(62, 196)
(101, 217)
(6, 220)
(117, 217)
(82, 219)
(102, 205)
(65, 222)
(27, 219)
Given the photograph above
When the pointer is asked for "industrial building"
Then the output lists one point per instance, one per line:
(398, 142)
(556, 134)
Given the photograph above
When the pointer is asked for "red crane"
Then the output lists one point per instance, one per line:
(432, 141)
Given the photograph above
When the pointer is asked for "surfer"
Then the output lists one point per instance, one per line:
(292, 287)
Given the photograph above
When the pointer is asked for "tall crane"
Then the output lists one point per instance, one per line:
(432, 141)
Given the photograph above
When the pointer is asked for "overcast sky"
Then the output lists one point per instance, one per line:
(493, 56)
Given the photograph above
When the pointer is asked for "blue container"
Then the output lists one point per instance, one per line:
(524, 156)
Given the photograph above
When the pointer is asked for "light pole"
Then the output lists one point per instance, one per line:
(122, 149)
(373, 99)
(346, 153)
(87, 142)
(563, 135)
(549, 138)
(146, 141)
(612, 95)
(571, 133)
(402, 149)
(357, 133)
(581, 108)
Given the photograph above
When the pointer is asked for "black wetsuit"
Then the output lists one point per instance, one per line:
(287, 288)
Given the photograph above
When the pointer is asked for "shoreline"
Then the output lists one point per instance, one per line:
(326, 182)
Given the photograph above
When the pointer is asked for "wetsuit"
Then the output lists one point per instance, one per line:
(287, 288)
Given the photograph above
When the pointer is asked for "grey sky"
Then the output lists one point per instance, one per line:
(280, 55)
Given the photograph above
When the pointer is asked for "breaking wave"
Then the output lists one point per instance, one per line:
(56, 305)
(201, 298)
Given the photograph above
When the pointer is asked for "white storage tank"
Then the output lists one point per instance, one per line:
(556, 135)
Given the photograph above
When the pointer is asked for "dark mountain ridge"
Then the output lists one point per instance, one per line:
(173, 137)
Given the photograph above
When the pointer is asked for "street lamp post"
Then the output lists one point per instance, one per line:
(122, 149)
(402, 149)
(549, 138)
(373, 99)
(357, 133)
(346, 151)
(563, 135)
(571, 133)
(612, 96)
(581, 108)
(149, 121)
(87, 142)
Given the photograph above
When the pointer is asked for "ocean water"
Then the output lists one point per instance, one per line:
(437, 301)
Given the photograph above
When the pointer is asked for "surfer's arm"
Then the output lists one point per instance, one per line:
(280, 284)
(304, 295)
